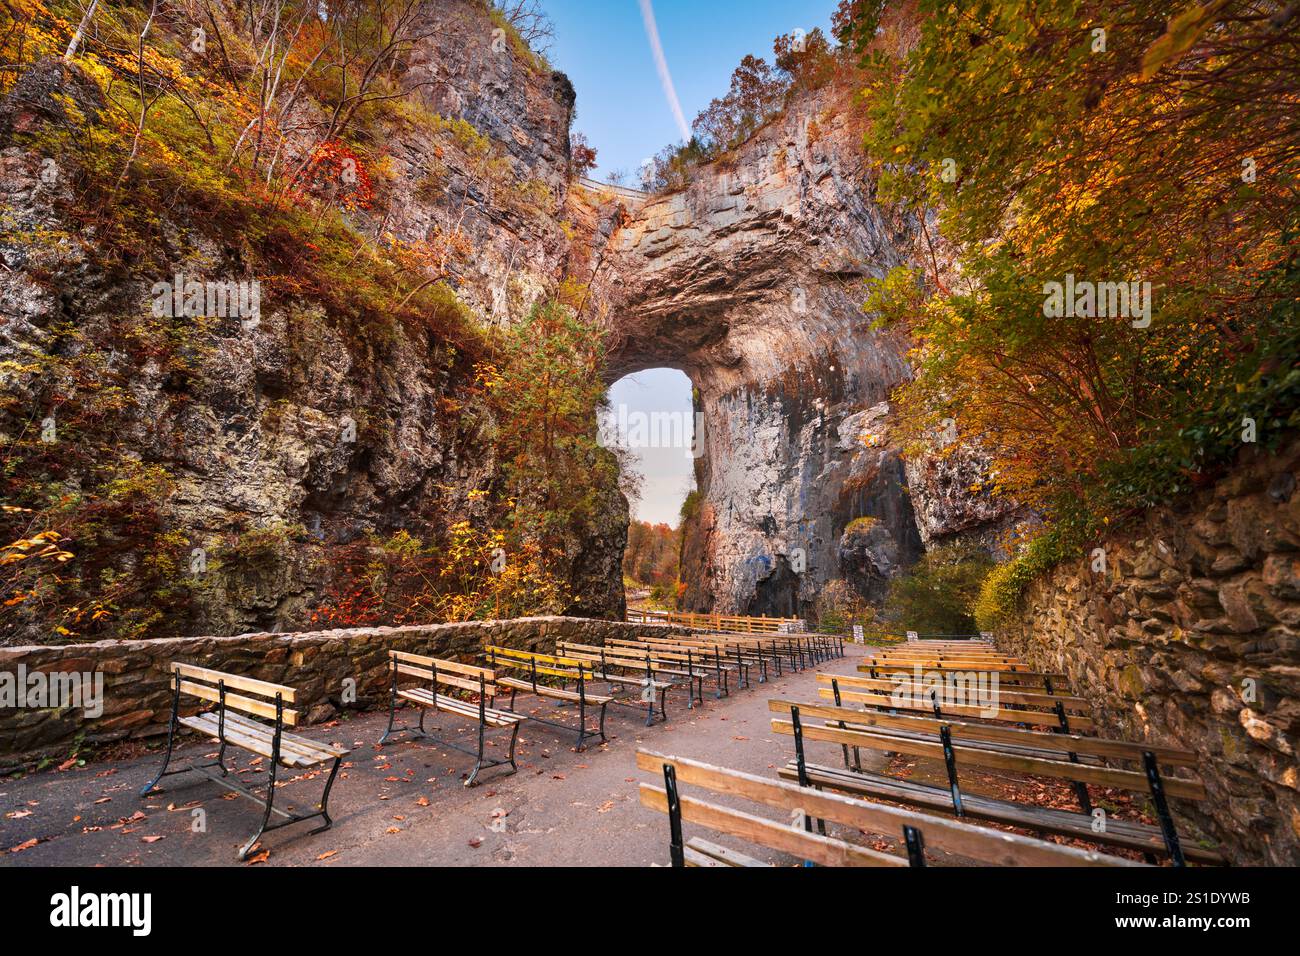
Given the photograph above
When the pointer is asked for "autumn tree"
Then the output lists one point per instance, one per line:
(1102, 146)
(582, 156)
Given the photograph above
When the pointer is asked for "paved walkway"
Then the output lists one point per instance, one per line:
(403, 804)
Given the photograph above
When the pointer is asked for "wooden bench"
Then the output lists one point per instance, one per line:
(802, 650)
(232, 722)
(544, 666)
(970, 688)
(630, 667)
(435, 673)
(800, 805)
(709, 658)
(953, 744)
(742, 654)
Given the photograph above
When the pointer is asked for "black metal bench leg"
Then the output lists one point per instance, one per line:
(266, 814)
(171, 738)
(478, 763)
(582, 714)
(325, 798)
(514, 736)
(602, 720)
(392, 709)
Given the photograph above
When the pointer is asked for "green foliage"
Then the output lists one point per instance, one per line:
(690, 506)
(937, 594)
(861, 524)
(535, 61)
(545, 386)
(757, 94)
(998, 600)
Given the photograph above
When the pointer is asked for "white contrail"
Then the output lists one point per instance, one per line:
(666, 78)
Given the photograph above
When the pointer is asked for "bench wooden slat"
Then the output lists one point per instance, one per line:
(299, 753)
(456, 667)
(291, 741)
(707, 853)
(237, 681)
(951, 836)
(969, 754)
(545, 671)
(1120, 833)
(496, 718)
(559, 693)
(528, 657)
(693, 857)
(660, 660)
(449, 679)
(921, 689)
(238, 701)
(1039, 718)
(827, 851)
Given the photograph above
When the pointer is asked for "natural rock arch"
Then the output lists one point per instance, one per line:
(750, 281)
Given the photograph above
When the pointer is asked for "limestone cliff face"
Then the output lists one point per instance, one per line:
(255, 440)
(751, 281)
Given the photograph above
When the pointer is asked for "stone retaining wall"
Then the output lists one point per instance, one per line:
(1189, 638)
(137, 696)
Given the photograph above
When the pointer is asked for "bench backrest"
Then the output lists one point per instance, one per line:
(543, 665)
(1037, 717)
(969, 754)
(967, 731)
(233, 691)
(668, 652)
(917, 687)
(477, 680)
(631, 655)
(953, 836)
(699, 651)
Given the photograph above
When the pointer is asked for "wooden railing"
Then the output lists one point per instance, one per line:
(730, 623)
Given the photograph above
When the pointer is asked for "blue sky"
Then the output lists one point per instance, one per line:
(622, 108)
(602, 46)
